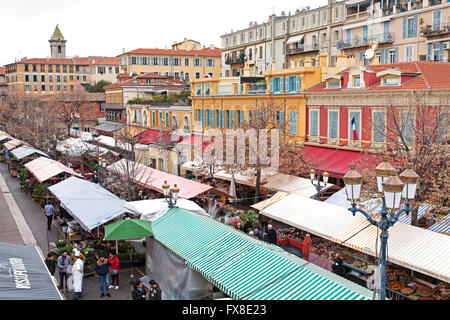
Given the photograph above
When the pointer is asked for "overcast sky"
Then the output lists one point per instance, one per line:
(103, 28)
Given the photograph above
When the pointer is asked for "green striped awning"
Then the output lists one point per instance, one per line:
(242, 267)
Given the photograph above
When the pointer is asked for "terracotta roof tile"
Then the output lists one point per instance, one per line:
(2, 70)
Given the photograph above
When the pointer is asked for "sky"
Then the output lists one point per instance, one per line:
(104, 28)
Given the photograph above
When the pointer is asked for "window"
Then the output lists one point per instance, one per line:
(34, 68)
(378, 125)
(101, 70)
(391, 81)
(43, 88)
(276, 85)
(293, 122)
(65, 68)
(71, 69)
(42, 68)
(336, 14)
(333, 84)
(65, 78)
(314, 20)
(197, 62)
(356, 81)
(50, 68)
(58, 88)
(59, 49)
(260, 52)
(110, 69)
(198, 89)
(35, 78)
(314, 123)
(58, 68)
(303, 22)
(155, 61)
(27, 78)
(186, 124)
(51, 88)
(26, 68)
(71, 77)
(117, 70)
(392, 55)
(409, 26)
(165, 61)
(333, 124)
(27, 87)
(42, 78)
(436, 20)
(197, 75)
(293, 84)
(58, 78)
(210, 62)
(35, 88)
(407, 125)
(186, 62)
(176, 62)
(324, 17)
(357, 116)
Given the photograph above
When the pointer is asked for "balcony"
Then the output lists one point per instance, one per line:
(358, 16)
(303, 49)
(362, 42)
(236, 60)
(435, 30)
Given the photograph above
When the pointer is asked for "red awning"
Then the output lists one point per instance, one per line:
(336, 162)
(153, 136)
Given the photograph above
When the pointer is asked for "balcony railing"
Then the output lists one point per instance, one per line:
(362, 42)
(302, 48)
(358, 16)
(435, 29)
(236, 60)
(224, 89)
(257, 88)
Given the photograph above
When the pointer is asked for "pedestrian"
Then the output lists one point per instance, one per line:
(63, 263)
(271, 235)
(73, 258)
(94, 177)
(114, 270)
(155, 291)
(139, 292)
(77, 274)
(338, 266)
(51, 263)
(101, 269)
(48, 210)
(140, 195)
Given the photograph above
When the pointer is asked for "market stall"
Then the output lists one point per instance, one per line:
(88, 203)
(416, 251)
(24, 275)
(153, 209)
(43, 169)
(154, 179)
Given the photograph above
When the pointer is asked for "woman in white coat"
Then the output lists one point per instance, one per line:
(77, 274)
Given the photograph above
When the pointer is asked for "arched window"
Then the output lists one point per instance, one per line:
(186, 124)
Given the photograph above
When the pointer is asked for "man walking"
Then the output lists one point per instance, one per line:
(49, 209)
(63, 263)
(77, 275)
(271, 235)
(102, 268)
(51, 263)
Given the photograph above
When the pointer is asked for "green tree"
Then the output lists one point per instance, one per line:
(98, 86)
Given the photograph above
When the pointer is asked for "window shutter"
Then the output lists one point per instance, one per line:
(288, 84)
(293, 122)
(386, 55)
(429, 52)
(233, 124)
(396, 55)
(281, 84)
(271, 86)
(415, 25)
(241, 118)
(297, 83)
(405, 27)
(441, 51)
(282, 120)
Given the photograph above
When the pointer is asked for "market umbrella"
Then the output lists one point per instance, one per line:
(128, 229)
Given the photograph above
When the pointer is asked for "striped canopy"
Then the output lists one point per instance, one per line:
(242, 267)
(442, 226)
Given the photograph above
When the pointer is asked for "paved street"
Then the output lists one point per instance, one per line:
(35, 220)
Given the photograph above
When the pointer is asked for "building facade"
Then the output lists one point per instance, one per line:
(178, 62)
(405, 31)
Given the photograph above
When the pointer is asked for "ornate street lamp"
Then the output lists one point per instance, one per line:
(171, 195)
(318, 185)
(393, 189)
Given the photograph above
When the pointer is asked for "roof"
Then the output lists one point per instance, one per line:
(154, 179)
(14, 143)
(96, 96)
(109, 127)
(153, 136)
(52, 61)
(57, 34)
(411, 247)
(88, 203)
(292, 184)
(207, 52)
(422, 75)
(245, 268)
(442, 226)
(97, 60)
(43, 169)
(2, 71)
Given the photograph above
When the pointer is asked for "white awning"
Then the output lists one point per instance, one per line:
(295, 39)
(292, 184)
(411, 247)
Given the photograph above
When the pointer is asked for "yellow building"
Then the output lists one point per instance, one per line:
(230, 103)
(182, 61)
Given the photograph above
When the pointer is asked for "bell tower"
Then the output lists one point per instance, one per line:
(57, 45)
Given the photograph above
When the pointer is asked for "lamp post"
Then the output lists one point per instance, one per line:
(171, 195)
(318, 185)
(393, 189)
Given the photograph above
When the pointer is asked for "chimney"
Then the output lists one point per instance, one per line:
(213, 47)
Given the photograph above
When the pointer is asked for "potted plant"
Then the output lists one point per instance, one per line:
(248, 218)
(60, 243)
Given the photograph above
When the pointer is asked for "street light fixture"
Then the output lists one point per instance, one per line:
(393, 189)
(318, 185)
(171, 195)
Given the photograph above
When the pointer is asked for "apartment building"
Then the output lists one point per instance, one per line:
(3, 84)
(284, 41)
(186, 60)
(102, 68)
(402, 30)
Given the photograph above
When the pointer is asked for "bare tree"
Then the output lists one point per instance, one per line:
(418, 133)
